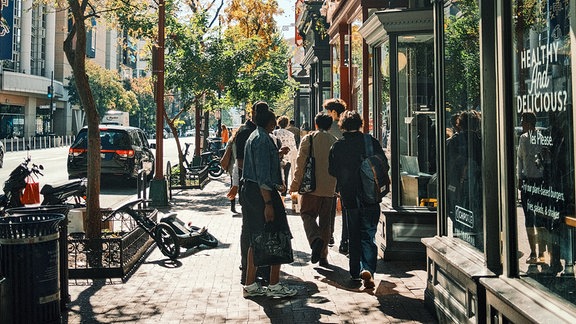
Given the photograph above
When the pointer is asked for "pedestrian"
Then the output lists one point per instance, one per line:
(334, 107)
(261, 202)
(287, 139)
(224, 134)
(242, 136)
(316, 206)
(294, 130)
(346, 155)
(233, 172)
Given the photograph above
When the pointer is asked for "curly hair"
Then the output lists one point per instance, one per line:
(336, 104)
(350, 120)
(283, 121)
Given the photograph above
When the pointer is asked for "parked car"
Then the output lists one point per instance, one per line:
(2, 151)
(125, 151)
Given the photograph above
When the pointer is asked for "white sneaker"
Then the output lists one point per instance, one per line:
(279, 291)
(254, 290)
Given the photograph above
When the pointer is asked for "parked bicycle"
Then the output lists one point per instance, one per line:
(210, 158)
(170, 234)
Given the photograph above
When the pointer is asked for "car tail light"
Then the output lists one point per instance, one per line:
(76, 151)
(125, 153)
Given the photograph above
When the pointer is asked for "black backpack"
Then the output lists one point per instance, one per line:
(373, 174)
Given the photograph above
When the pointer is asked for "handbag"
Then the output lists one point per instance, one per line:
(271, 247)
(31, 194)
(226, 157)
(308, 183)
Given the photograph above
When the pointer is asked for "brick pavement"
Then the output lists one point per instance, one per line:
(203, 286)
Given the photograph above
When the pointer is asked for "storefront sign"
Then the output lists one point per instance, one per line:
(6, 25)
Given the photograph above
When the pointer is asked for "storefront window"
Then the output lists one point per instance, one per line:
(384, 52)
(416, 117)
(356, 66)
(544, 144)
(336, 68)
(11, 121)
(463, 116)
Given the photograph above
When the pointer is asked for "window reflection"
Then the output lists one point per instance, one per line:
(462, 111)
(544, 144)
(356, 66)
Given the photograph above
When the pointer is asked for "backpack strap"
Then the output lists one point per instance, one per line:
(368, 149)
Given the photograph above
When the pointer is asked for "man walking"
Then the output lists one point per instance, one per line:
(317, 204)
(345, 158)
(334, 107)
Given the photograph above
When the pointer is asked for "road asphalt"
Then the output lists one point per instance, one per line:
(203, 285)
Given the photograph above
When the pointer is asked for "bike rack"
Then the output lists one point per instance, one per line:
(196, 178)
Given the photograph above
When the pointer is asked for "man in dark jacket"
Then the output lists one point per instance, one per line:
(345, 158)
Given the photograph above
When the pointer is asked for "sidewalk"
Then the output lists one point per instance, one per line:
(203, 286)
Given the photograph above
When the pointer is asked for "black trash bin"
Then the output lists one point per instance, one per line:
(63, 242)
(29, 262)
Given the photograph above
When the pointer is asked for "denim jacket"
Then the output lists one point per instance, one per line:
(261, 161)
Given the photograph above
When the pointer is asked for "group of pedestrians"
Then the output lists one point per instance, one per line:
(265, 149)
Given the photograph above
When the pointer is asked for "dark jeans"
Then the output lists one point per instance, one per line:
(286, 170)
(362, 250)
(344, 234)
(262, 272)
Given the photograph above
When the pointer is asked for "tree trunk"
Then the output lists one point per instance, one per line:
(75, 49)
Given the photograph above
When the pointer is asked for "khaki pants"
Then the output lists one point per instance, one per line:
(316, 216)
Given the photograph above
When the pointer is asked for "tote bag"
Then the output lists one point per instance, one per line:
(31, 194)
(308, 183)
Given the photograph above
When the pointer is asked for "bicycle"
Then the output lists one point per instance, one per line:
(210, 159)
(170, 233)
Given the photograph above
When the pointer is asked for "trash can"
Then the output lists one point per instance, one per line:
(29, 262)
(63, 242)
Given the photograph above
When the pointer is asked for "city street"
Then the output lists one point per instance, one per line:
(53, 160)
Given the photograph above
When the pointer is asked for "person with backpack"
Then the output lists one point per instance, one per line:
(345, 160)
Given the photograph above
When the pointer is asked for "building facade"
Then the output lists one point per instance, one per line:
(34, 69)
(472, 100)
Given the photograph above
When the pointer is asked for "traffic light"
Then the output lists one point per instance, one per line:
(50, 92)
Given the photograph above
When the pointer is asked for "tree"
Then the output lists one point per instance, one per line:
(107, 88)
(259, 50)
(75, 50)
(146, 115)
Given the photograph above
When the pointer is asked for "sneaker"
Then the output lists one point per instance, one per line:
(367, 279)
(280, 291)
(331, 243)
(317, 246)
(254, 290)
(324, 262)
(343, 247)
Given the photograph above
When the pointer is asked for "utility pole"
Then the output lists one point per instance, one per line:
(158, 186)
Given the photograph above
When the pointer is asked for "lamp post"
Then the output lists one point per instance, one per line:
(158, 186)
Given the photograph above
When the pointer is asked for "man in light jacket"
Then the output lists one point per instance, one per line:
(316, 206)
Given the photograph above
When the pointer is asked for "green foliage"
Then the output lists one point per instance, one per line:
(107, 89)
(462, 55)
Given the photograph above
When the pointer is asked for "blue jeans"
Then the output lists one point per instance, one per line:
(362, 249)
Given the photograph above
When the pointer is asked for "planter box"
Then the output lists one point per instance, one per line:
(114, 255)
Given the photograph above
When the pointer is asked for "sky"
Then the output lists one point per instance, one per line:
(286, 20)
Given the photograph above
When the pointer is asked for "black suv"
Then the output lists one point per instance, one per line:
(125, 150)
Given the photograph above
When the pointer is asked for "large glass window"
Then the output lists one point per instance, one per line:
(336, 67)
(416, 117)
(463, 116)
(384, 84)
(544, 143)
(356, 66)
